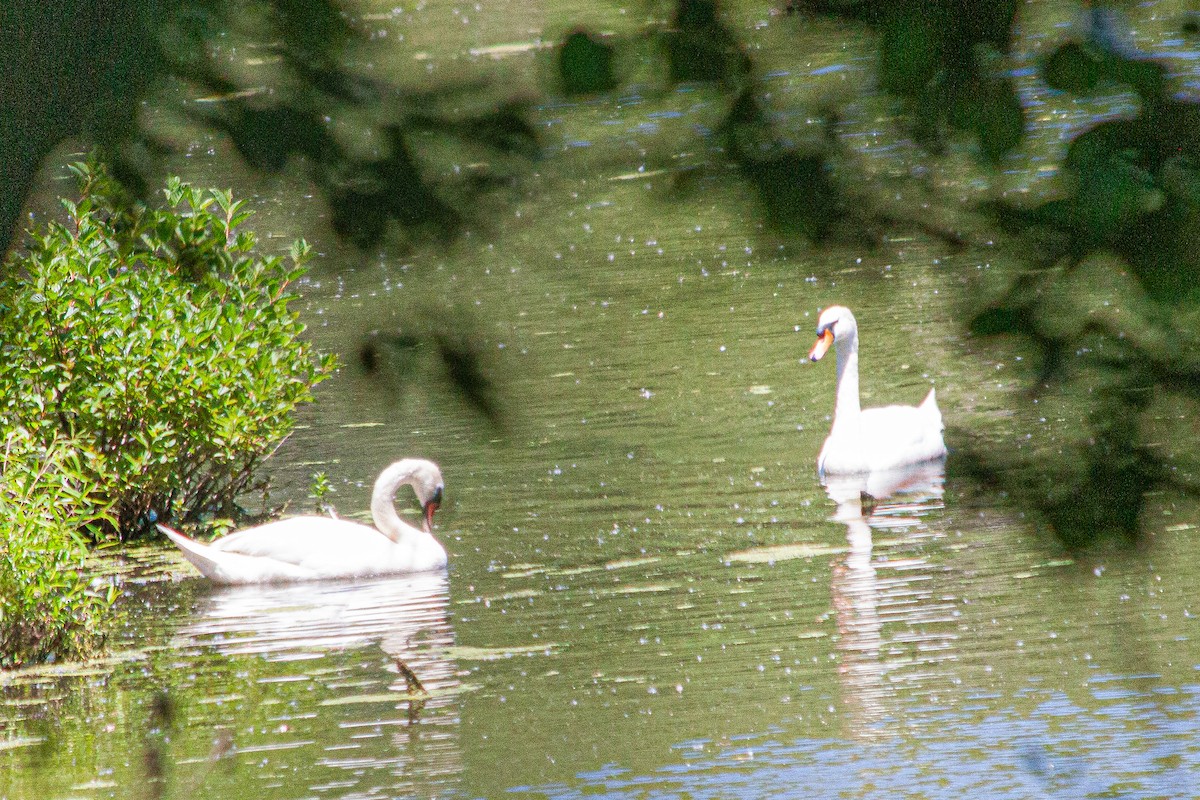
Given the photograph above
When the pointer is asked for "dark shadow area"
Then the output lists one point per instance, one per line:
(398, 359)
(81, 69)
(945, 59)
(585, 64)
(807, 186)
(700, 47)
(794, 181)
(1126, 231)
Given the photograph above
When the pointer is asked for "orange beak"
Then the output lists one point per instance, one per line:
(824, 342)
(430, 507)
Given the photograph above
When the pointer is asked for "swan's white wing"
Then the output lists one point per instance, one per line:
(277, 539)
(898, 435)
(328, 547)
(223, 567)
(884, 438)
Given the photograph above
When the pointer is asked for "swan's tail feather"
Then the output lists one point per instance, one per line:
(200, 555)
(225, 567)
(929, 406)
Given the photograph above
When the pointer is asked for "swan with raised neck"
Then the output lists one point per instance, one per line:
(874, 439)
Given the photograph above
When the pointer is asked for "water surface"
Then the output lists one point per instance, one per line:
(651, 594)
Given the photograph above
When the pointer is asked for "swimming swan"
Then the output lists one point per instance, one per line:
(877, 438)
(315, 548)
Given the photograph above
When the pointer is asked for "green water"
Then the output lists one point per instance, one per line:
(650, 593)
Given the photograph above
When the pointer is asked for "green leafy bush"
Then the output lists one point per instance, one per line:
(160, 342)
(48, 609)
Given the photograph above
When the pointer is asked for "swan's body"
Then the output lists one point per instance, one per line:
(318, 548)
(873, 439)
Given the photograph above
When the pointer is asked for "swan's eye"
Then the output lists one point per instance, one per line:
(437, 496)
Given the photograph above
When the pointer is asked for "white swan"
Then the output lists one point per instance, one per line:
(316, 548)
(877, 438)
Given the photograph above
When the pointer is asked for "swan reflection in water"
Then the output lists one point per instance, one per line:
(874, 665)
(351, 712)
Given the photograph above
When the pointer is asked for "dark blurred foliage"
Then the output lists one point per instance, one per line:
(700, 47)
(366, 193)
(796, 180)
(1126, 229)
(81, 68)
(585, 64)
(466, 368)
(69, 68)
(792, 180)
(794, 183)
(944, 58)
(398, 359)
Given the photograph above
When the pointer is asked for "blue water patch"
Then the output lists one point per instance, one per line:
(830, 69)
(999, 756)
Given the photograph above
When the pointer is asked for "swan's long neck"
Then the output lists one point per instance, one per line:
(383, 503)
(847, 406)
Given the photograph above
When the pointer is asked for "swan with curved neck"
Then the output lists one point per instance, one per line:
(320, 548)
(873, 439)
